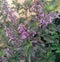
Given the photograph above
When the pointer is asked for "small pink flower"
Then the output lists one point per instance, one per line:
(24, 35)
(21, 28)
(23, 31)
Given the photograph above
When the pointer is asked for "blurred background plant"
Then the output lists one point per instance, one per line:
(42, 43)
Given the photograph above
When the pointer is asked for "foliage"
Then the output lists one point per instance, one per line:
(32, 38)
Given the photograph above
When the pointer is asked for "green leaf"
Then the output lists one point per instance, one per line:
(2, 53)
(50, 6)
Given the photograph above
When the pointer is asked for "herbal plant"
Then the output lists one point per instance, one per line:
(31, 36)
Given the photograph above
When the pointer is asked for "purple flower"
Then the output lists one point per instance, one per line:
(5, 7)
(41, 16)
(8, 52)
(23, 31)
(9, 33)
(13, 18)
(9, 12)
(21, 28)
(43, 22)
(24, 35)
(48, 18)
